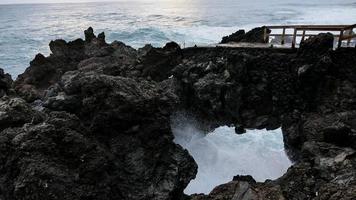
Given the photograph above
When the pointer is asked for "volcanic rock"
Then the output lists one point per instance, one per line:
(255, 35)
(92, 120)
(5, 83)
(235, 37)
(89, 34)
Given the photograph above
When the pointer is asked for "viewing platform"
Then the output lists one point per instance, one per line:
(291, 36)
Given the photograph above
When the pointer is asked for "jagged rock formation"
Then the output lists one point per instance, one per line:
(235, 37)
(310, 92)
(83, 132)
(255, 35)
(91, 121)
(252, 87)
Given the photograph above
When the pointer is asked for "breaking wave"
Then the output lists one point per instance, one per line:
(222, 154)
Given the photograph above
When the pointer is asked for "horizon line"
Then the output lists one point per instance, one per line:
(41, 3)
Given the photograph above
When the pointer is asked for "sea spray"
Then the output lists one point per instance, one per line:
(222, 154)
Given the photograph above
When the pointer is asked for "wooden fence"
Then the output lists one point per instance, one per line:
(344, 32)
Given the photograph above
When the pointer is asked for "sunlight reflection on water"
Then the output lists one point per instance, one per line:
(26, 30)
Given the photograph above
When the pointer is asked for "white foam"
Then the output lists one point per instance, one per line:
(222, 154)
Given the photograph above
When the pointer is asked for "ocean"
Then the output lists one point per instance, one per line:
(26, 30)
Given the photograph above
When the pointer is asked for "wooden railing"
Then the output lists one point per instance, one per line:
(344, 32)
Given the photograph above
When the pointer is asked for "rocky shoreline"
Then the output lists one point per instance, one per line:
(92, 120)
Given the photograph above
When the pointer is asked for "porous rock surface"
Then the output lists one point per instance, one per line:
(76, 129)
(91, 121)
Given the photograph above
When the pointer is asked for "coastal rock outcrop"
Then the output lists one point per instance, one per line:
(316, 110)
(255, 35)
(45, 71)
(235, 37)
(82, 131)
(235, 87)
(157, 63)
(92, 120)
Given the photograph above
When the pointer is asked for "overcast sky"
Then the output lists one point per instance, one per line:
(48, 1)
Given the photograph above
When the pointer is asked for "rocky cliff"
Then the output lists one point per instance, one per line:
(91, 121)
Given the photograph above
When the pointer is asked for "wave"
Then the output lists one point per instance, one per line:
(222, 154)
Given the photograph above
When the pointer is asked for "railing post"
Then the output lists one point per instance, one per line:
(294, 38)
(303, 36)
(265, 34)
(340, 38)
(349, 40)
(283, 35)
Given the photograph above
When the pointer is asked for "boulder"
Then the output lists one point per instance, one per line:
(319, 44)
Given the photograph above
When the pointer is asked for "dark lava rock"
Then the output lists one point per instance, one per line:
(235, 37)
(73, 50)
(157, 63)
(114, 142)
(234, 87)
(92, 120)
(89, 34)
(83, 131)
(46, 71)
(15, 112)
(255, 35)
(101, 36)
(314, 98)
(318, 44)
(5, 83)
(109, 156)
(239, 129)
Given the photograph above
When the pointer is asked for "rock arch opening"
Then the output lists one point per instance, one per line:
(222, 154)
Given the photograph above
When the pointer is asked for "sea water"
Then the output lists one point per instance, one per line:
(222, 154)
(26, 30)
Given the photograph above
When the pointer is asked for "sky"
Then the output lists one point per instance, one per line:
(48, 1)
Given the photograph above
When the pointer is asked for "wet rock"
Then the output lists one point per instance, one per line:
(239, 129)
